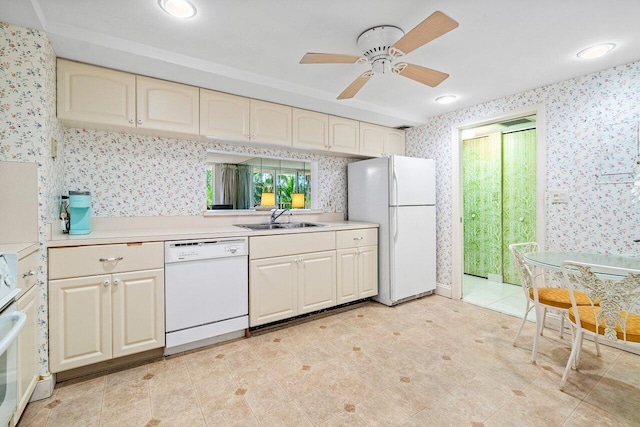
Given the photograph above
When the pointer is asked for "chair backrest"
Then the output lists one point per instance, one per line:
(613, 297)
(524, 271)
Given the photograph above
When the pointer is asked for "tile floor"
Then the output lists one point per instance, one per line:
(432, 361)
(503, 297)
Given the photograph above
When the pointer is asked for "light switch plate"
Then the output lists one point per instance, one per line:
(559, 197)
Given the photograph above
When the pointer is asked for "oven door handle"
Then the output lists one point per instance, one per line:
(20, 318)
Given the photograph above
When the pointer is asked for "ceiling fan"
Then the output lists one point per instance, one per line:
(381, 45)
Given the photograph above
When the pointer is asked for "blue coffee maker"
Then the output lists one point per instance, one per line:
(79, 212)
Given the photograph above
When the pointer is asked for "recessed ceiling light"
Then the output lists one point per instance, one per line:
(179, 8)
(446, 99)
(596, 51)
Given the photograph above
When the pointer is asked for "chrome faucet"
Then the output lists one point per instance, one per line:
(275, 215)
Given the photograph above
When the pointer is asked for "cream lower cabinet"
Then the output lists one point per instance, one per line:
(284, 287)
(357, 264)
(105, 301)
(97, 318)
(27, 350)
(316, 281)
(357, 270)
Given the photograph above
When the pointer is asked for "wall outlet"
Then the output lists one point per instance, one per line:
(560, 197)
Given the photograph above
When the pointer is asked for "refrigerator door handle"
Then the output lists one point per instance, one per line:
(395, 187)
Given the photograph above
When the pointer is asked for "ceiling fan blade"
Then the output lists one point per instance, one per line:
(431, 28)
(420, 74)
(357, 84)
(329, 58)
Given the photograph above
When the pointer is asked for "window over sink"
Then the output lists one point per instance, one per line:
(243, 182)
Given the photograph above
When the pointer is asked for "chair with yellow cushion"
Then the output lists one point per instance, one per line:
(614, 306)
(540, 296)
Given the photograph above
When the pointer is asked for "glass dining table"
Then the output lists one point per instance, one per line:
(552, 260)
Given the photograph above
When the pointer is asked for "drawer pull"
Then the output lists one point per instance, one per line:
(358, 238)
(111, 259)
(28, 273)
(106, 282)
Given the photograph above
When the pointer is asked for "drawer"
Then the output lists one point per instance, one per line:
(356, 238)
(27, 272)
(81, 261)
(291, 244)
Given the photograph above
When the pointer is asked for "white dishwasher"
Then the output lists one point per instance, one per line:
(206, 292)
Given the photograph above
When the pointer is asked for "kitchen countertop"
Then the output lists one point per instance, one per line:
(102, 237)
(22, 249)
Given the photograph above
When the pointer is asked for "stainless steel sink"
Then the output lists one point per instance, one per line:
(278, 225)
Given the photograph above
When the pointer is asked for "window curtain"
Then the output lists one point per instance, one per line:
(244, 193)
(229, 185)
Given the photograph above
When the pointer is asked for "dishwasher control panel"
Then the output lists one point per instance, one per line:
(193, 250)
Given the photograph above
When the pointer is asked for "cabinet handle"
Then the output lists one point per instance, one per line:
(106, 282)
(28, 273)
(116, 281)
(131, 120)
(139, 121)
(358, 238)
(116, 259)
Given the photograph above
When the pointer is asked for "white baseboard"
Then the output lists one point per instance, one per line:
(443, 290)
(44, 388)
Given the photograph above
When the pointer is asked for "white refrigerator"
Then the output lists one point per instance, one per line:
(399, 194)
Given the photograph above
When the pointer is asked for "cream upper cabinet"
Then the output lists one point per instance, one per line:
(379, 141)
(167, 106)
(87, 93)
(224, 116)
(27, 351)
(79, 322)
(371, 140)
(310, 129)
(394, 142)
(317, 281)
(270, 123)
(344, 135)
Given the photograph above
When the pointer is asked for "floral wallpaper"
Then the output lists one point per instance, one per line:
(599, 217)
(136, 175)
(28, 124)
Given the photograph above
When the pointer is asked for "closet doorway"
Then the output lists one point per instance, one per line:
(499, 199)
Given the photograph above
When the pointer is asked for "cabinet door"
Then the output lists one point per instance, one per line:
(168, 106)
(270, 123)
(273, 289)
(79, 322)
(94, 94)
(394, 142)
(347, 275)
(344, 135)
(368, 271)
(138, 311)
(310, 129)
(224, 115)
(371, 140)
(27, 350)
(19, 206)
(317, 281)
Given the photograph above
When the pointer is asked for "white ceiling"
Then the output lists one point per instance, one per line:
(252, 47)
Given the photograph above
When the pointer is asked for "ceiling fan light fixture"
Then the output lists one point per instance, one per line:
(596, 51)
(183, 9)
(446, 99)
